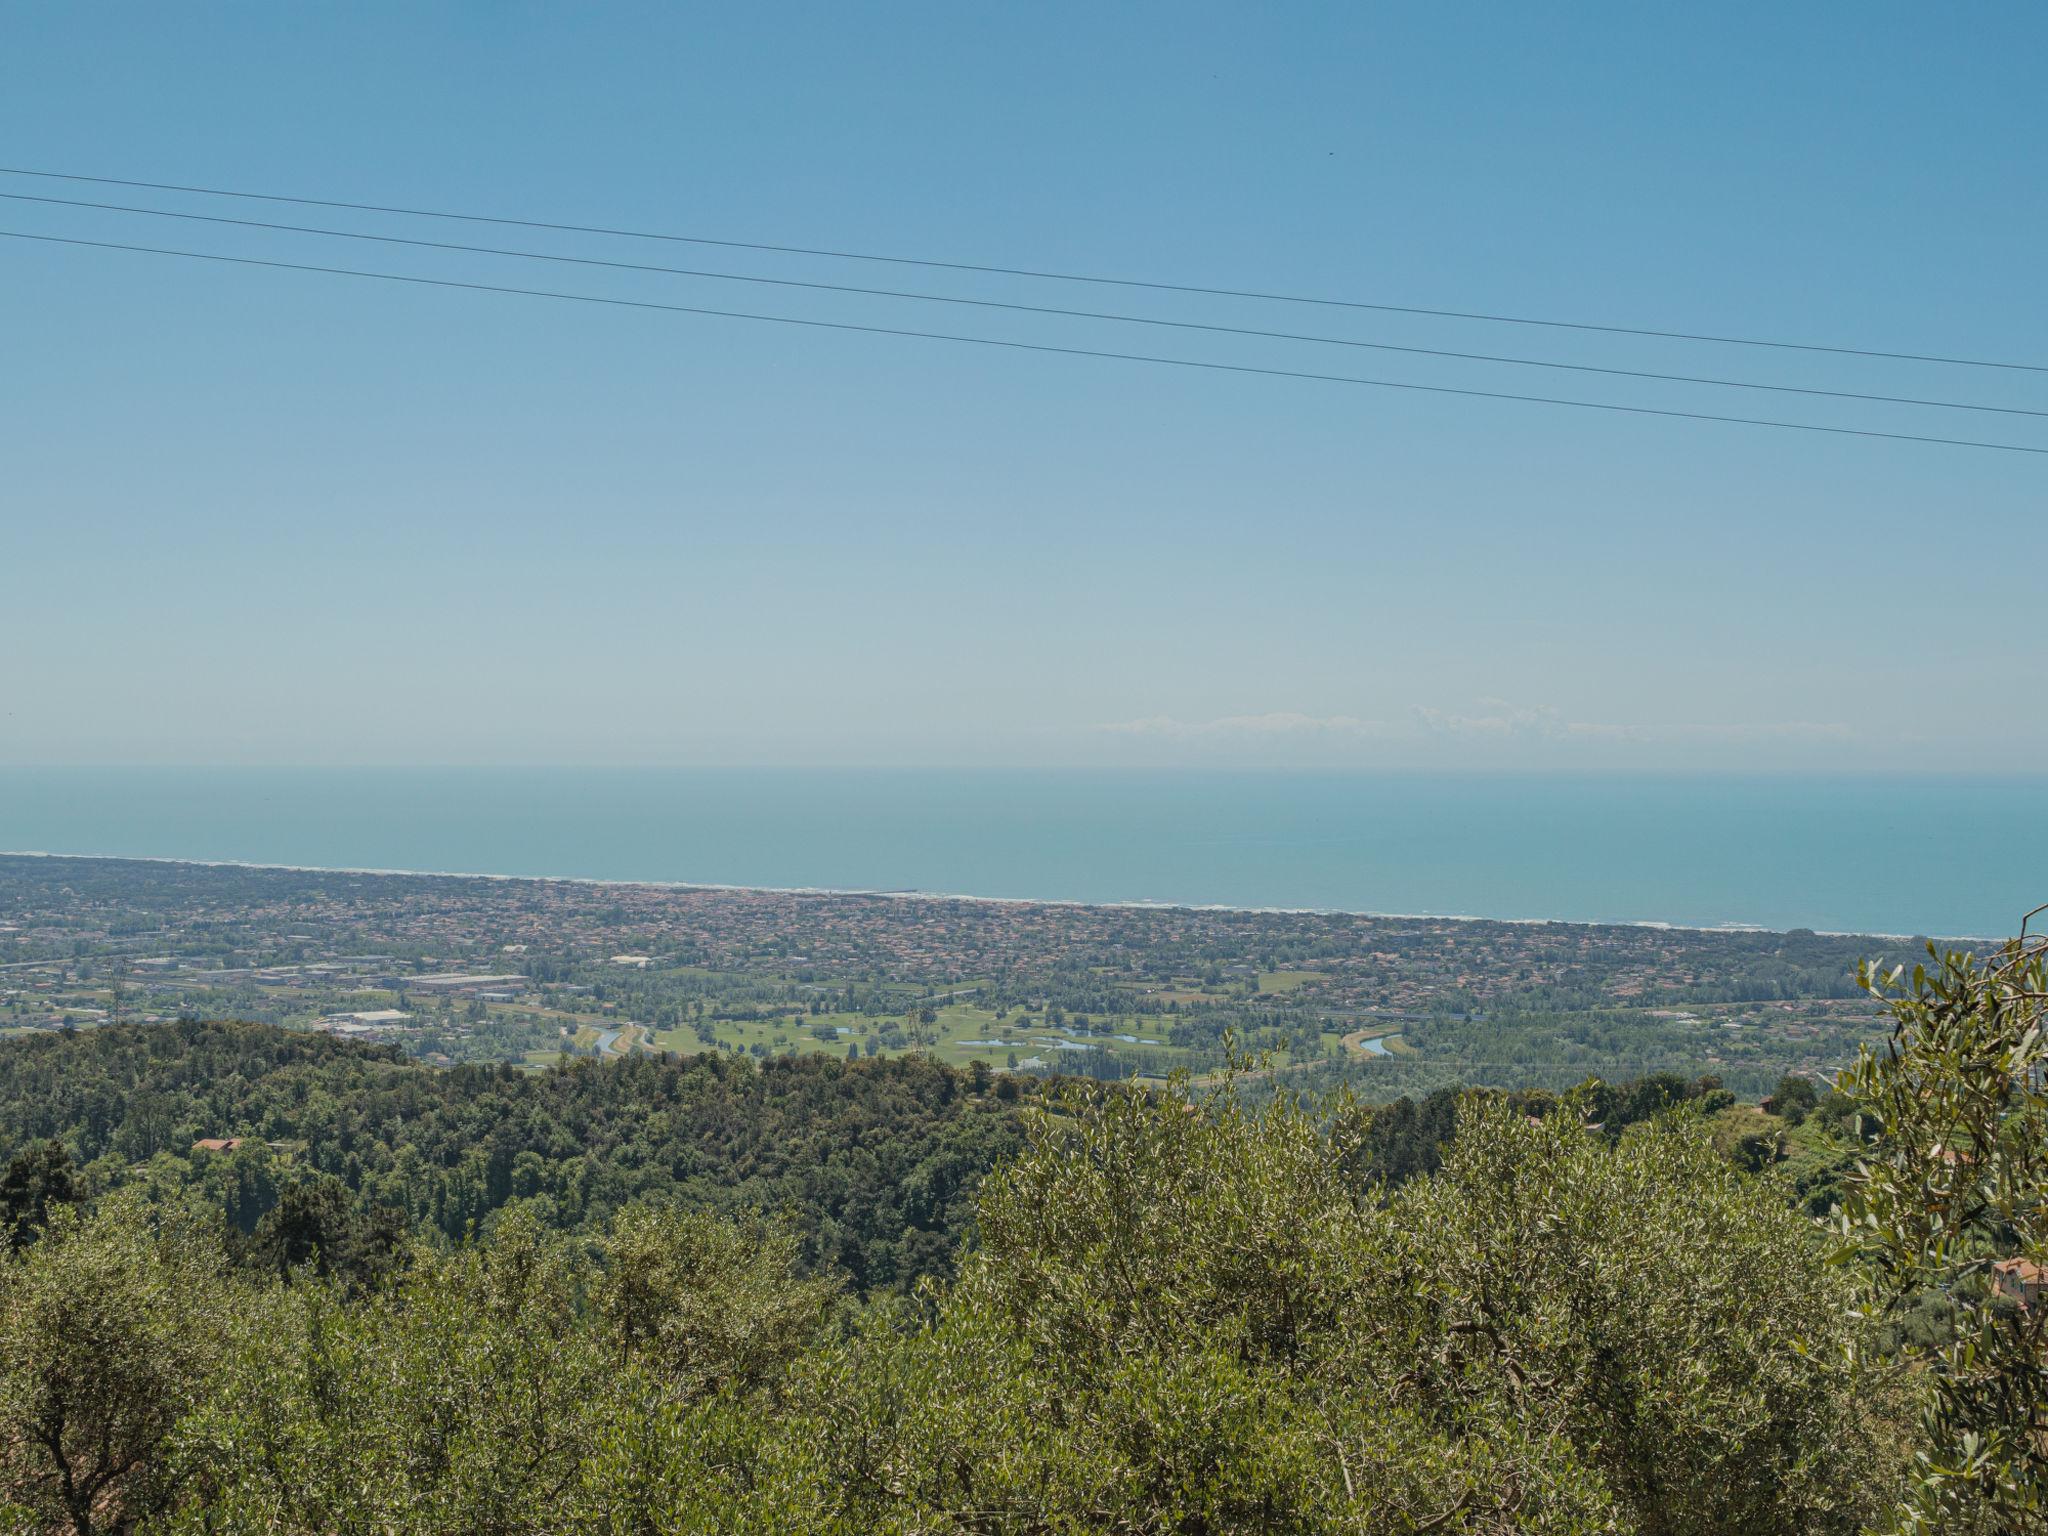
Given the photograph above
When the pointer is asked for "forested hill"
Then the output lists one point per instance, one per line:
(1185, 1311)
(878, 1162)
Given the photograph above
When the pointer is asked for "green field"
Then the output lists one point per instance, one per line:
(1284, 981)
(1142, 1035)
(961, 1033)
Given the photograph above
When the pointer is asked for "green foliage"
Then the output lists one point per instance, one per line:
(1185, 1313)
(1406, 1138)
(1674, 1316)
(1191, 1318)
(460, 1401)
(316, 1225)
(1747, 1138)
(38, 1178)
(1794, 1098)
(877, 1162)
(1959, 1183)
(523, 1384)
(702, 1303)
(110, 1331)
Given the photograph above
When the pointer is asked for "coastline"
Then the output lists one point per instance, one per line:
(1727, 928)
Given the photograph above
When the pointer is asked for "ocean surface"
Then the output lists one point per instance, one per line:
(1952, 856)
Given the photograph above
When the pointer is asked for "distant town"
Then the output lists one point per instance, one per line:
(456, 969)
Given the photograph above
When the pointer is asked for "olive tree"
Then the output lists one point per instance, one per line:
(111, 1327)
(702, 1301)
(1190, 1316)
(1952, 1205)
(1678, 1319)
(455, 1401)
(525, 1382)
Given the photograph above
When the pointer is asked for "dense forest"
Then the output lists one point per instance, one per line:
(877, 1163)
(818, 1296)
(874, 1164)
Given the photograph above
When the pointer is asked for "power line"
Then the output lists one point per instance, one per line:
(1026, 346)
(1029, 309)
(1038, 273)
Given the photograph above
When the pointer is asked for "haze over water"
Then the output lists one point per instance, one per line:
(1878, 854)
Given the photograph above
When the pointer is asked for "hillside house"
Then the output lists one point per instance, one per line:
(2018, 1280)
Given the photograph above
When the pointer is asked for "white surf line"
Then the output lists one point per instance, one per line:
(1727, 929)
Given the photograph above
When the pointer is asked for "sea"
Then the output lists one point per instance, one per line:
(1949, 856)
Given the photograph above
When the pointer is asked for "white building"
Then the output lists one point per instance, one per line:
(374, 1021)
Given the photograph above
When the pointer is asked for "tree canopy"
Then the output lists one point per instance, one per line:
(1185, 1313)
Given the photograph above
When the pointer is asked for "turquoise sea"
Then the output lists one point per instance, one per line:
(1874, 854)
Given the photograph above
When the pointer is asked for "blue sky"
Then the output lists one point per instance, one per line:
(268, 517)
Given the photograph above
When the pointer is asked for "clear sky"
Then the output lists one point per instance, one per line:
(269, 517)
